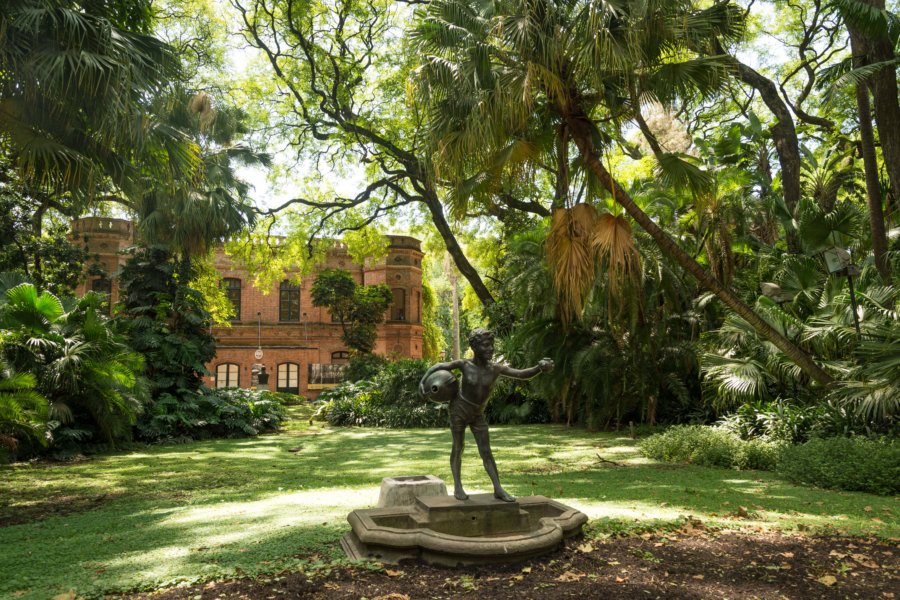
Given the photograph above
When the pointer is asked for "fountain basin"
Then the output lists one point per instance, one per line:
(444, 530)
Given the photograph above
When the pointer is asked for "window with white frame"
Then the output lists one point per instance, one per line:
(228, 375)
(288, 378)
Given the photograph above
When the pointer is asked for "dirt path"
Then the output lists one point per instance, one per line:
(692, 563)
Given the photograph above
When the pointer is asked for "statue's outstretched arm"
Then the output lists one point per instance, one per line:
(544, 365)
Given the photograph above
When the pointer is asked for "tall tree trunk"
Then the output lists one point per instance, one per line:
(784, 134)
(883, 84)
(870, 165)
(562, 167)
(37, 230)
(645, 129)
(453, 247)
(454, 308)
(867, 50)
(580, 129)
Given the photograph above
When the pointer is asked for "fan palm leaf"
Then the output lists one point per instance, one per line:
(571, 257)
(74, 93)
(613, 245)
(23, 411)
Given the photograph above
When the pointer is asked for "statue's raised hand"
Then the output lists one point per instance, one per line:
(546, 365)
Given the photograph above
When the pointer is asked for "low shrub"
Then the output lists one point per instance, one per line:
(853, 464)
(390, 399)
(288, 399)
(346, 404)
(361, 404)
(225, 412)
(399, 380)
(711, 447)
(363, 367)
(784, 421)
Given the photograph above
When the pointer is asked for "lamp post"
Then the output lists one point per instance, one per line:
(259, 353)
(838, 261)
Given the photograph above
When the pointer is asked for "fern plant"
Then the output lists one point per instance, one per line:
(23, 411)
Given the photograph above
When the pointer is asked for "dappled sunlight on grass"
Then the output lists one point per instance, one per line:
(188, 512)
(285, 509)
(613, 510)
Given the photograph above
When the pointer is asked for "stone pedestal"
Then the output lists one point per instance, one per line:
(446, 531)
(403, 491)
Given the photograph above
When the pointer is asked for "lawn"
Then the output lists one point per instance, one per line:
(185, 513)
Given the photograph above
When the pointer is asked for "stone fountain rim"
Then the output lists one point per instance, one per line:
(551, 532)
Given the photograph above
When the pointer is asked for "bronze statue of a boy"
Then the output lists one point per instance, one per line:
(467, 407)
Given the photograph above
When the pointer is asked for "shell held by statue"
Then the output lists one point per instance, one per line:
(441, 386)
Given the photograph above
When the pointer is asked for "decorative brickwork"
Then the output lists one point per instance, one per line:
(104, 239)
(312, 339)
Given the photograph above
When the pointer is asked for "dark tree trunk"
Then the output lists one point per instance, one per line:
(580, 128)
(883, 84)
(870, 166)
(867, 50)
(784, 133)
(562, 167)
(645, 129)
(37, 230)
(459, 257)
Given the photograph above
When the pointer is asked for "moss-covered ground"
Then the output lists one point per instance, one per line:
(169, 514)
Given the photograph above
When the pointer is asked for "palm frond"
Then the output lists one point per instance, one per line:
(733, 380)
(868, 18)
(676, 170)
(571, 257)
(613, 245)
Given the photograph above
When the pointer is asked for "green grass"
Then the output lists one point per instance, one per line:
(183, 513)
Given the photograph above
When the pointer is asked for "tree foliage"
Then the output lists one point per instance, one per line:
(76, 81)
(358, 308)
(91, 379)
(166, 322)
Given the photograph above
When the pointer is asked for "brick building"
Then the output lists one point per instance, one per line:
(296, 342)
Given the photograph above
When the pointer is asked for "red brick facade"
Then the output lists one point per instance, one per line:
(104, 239)
(295, 343)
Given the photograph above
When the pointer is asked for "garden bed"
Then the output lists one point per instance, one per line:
(691, 563)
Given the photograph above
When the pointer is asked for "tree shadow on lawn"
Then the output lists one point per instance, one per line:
(219, 508)
(213, 468)
(129, 548)
(549, 460)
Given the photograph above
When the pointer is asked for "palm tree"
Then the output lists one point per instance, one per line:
(86, 372)
(23, 411)
(491, 69)
(631, 354)
(190, 214)
(73, 96)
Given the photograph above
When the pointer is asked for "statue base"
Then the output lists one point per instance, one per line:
(445, 531)
(403, 491)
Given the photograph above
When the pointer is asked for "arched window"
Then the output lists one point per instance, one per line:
(288, 301)
(288, 378)
(103, 286)
(398, 307)
(232, 287)
(341, 357)
(228, 375)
